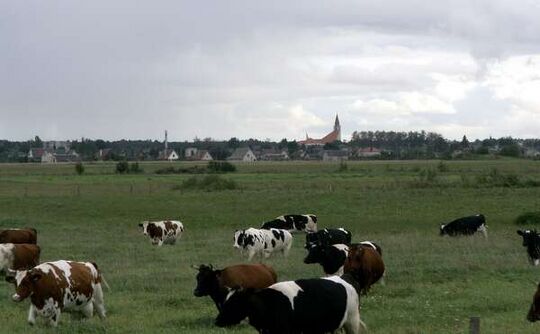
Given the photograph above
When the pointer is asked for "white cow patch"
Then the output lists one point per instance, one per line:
(289, 289)
(6, 256)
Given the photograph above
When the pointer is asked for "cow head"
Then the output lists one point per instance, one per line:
(239, 236)
(24, 281)
(312, 239)
(442, 231)
(315, 254)
(235, 308)
(207, 280)
(534, 311)
(528, 237)
(143, 227)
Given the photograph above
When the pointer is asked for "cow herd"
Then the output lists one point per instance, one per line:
(241, 291)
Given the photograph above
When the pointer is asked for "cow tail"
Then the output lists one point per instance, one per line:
(100, 278)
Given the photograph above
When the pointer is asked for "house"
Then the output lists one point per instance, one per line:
(104, 154)
(48, 157)
(531, 152)
(243, 154)
(335, 155)
(273, 155)
(190, 152)
(168, 154)
(35, 154)
(204, 155)
(329, 138)
(53, 145)
(368, 152)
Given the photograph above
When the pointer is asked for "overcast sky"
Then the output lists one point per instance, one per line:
(268, 69)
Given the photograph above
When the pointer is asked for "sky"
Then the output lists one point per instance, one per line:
(268, 69)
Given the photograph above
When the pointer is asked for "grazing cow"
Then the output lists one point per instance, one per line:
(293, 223)
(216, 283)
(263, 242)
(57, 286)
(534, 311)
(365, 265)
(330, 257)
(531, 240)
(163, 232)
(320, 305)
(18, 256)
(328, 236)
(465, 226)
(18, 236)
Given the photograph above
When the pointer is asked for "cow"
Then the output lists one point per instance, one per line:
(328, 236)
(162, 232)
(465, 226)
(531, 240)
(318, 305)
(216, 282)
(60, 285)
(365, 265)
(263, 242)
(18, 236)
(330, 257)
(18, 256)
(293, 223)
(534, 310)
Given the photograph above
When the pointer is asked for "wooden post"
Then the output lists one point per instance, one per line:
(475, 325)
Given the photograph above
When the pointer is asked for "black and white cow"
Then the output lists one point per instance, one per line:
(328, 236)
(293, 223)
(330, 257)
(263, 242)
(320, 305)
(531, 240)
(465, 226)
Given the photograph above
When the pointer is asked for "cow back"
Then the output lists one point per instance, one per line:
(25, 256)
(365, 265)
(18, 236)
(256, 276)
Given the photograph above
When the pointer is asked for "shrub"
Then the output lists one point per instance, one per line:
(221, 167)
(135, 168)
(79, 168)
(343, 166)
(208, 183)
(529, 218)
(122, 167)
(180, 170)
(442, 167)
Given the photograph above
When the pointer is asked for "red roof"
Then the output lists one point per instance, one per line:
(329, 138)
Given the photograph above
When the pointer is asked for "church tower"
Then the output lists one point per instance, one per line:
(337, 128)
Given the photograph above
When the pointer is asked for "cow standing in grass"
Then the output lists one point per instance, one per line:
(365, 265)
(163, 232)
(534, 310)
(263, 242)
(465, 226)
(293, 223)
(328, 236)
(217, 282)
(531, 240)
(320, 305)
(57, 286)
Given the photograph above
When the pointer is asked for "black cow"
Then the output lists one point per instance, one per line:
(322, 305)
(531, 240)
(293, 223)
(327, 237)
(465, 226)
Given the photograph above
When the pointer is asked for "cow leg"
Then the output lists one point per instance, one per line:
(88, 310)
(32, 313)
(251, 253)
(536, 262)
(99, 304)
(483, 230)
(55, 317)
(287, 249)
(353, 323)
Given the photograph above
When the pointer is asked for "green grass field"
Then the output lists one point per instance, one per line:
(433, 284)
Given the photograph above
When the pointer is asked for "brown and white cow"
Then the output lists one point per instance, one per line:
(60, 285)
(18, 236)
(18, 256)
(162, 232)
(534, 310)
(365, 265)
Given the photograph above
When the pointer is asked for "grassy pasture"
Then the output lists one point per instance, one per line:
(433, 284)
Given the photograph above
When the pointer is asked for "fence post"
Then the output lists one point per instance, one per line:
(475, 325)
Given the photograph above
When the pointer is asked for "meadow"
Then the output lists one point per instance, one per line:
(433, 284)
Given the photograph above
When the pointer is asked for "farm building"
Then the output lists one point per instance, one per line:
(243, 154)
(335, 155)
(168, 154)
(368, 152)
(273, 155)
(193, 153)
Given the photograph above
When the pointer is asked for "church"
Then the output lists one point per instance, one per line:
(329, 138)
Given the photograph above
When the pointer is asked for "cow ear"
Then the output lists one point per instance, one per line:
(194, 266)
(141, 225)
(520, 232)
(10, 279)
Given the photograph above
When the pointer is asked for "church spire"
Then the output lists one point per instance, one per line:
(337, 128)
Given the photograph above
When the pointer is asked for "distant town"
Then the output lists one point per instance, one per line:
(382, 145)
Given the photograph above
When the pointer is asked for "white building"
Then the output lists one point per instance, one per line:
(243, 154)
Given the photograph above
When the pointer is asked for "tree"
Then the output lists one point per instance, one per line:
(464, 142)
(37, 142)
(233, 143)
(79, 168)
